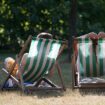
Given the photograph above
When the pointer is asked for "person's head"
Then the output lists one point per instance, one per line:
(8, 64)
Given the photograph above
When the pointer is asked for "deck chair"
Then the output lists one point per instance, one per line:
(41, 60)
(88, 61)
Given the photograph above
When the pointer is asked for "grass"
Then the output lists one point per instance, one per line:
(69, 97)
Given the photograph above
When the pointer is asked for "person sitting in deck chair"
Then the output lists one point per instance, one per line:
(8, 63)
(42, 58)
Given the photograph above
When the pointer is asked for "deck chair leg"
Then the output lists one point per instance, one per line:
(20, 75)
(9, 73)
(74, 74)
(49, 82)
(59, 72)
(38, 83)
(15, 80)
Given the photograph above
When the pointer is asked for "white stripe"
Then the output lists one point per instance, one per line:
(45, 60)
(84, 57)
(31, 55)
(38, 61)
(78, 62)
(78, 59)
(50, 64)
(100, 55)
(91, 58)
(98, 65)
(103, 49)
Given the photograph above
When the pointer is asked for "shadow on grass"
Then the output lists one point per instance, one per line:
(46, 94)
(40, 94)
(92, 91)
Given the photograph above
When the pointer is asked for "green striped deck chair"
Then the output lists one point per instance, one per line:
(89, 61)
(38, 62)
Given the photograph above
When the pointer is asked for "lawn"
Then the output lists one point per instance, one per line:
(69, 97)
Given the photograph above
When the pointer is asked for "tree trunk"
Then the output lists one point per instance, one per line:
(72, 26)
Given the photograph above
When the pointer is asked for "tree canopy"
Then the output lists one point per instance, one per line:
(20, 18)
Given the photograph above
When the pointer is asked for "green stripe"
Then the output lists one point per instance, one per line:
(28, 59)
(34, 62)
(80, 40)
(87, 53)
(94, 64)
(29, 72)
(81, 60)
(101, 51)
(58, 41)
(41, 61)
(43, 72)
(47, 68)
(86, 57)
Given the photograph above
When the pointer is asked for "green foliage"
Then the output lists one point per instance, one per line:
(20, 18)
(91, 15)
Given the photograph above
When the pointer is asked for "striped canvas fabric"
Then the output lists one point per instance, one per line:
(41, 57)
(89, 63)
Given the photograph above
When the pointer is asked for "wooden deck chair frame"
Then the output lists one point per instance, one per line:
(21, 83)
(75, 73)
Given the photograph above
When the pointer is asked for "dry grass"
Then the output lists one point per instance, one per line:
(70, 97)
(52, 98)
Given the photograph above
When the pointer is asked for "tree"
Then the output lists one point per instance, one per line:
(20, 18)
(73, 27)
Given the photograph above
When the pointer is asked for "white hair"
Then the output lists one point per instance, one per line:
(7, 60)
